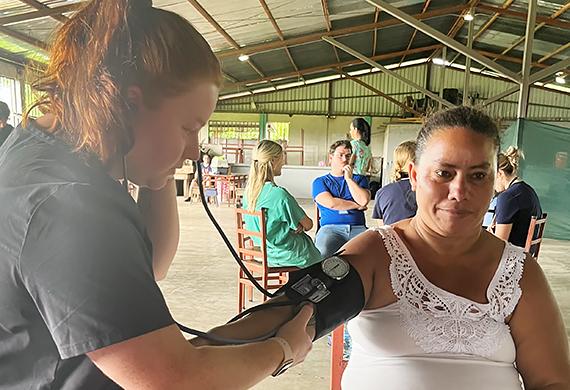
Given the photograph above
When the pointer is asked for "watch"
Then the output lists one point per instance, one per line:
(288, 360)
(335, 267)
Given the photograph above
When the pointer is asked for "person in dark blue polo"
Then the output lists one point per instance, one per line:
(397, 201)
(517, 201)
(5, 127)
(341, 198)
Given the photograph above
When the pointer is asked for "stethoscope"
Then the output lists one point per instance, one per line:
(205, 335)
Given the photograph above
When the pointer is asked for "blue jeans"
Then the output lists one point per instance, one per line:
(330, 238)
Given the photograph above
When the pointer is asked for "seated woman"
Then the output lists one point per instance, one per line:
(448, 305)
(286, 222)
(517, 201)
(397, 201)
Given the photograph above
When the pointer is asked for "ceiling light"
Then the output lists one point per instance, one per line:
(560, 80)
(243, 57)
(468, 17)
(438, 61)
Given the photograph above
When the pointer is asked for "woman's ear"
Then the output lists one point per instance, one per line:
(135, 99)
(413, 174)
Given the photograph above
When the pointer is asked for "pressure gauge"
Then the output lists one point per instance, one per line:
(335, 267)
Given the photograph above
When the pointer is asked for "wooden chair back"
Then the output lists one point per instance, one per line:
(535, 234)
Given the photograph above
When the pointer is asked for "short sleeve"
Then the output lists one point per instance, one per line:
(505, 209)
(87, 265)
(319, 187)
(377, 212)
(362, 181)
(291, 212)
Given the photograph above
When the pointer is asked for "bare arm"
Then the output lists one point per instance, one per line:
(176, 364)
(160, 214)
(360, 195)
(539, 334)
(327, 200)
(503, 231)
(305, 224)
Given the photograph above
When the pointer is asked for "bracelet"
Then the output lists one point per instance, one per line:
(288, 360)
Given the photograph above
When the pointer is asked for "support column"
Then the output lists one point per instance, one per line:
(468, 65)
(527, 61)
(442, 75)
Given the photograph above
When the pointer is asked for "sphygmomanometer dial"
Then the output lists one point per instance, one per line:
(335, 267)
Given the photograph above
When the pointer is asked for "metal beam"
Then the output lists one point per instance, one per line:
(527, 60)
(380, 93)
(375, 39)
(395, 12)
(40, 6)
(6, 20)
(424, 9)
(468, 65)
(537, 76)
(459, 22)
(279, 32)
(24, 38)
(322, 68)
(316, 37)
(486, 26)
(222, 32)
(542, 74)
(387, 71)
(520, 40)
(555, 52)
(523, 16)
(442, 75)
(328, 23)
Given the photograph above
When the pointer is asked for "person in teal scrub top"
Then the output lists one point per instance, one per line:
(361, 153)
(286, 222)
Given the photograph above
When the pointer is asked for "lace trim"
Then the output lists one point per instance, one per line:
(440, 321)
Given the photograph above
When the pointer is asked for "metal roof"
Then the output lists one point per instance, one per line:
(296, 52)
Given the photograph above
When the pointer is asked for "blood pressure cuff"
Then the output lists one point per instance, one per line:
(335, 301)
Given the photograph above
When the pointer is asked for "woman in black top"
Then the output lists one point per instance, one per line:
(517, 201)
(127, 90)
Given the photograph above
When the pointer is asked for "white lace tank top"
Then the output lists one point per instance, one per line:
(432, 339)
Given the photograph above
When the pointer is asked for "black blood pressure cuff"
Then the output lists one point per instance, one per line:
(335, 289)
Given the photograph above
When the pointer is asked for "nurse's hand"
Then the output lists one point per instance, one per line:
(298, 334)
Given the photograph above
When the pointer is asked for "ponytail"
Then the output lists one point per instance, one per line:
(261, 170)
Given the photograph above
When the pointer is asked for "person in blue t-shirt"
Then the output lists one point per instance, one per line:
(397, 201)
(517, 201)
(341, 198)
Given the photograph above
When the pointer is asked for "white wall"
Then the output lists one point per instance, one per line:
(395, 135)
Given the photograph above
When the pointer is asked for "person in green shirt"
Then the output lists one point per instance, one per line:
(361, 154)
(286, 222)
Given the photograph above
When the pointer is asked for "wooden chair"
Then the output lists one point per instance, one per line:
(255, 259)
(338, 363)
(534, 236)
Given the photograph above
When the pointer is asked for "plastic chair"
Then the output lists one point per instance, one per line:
(534, 236)
(255, 259)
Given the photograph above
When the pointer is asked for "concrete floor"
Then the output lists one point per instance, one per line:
(201, 287)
